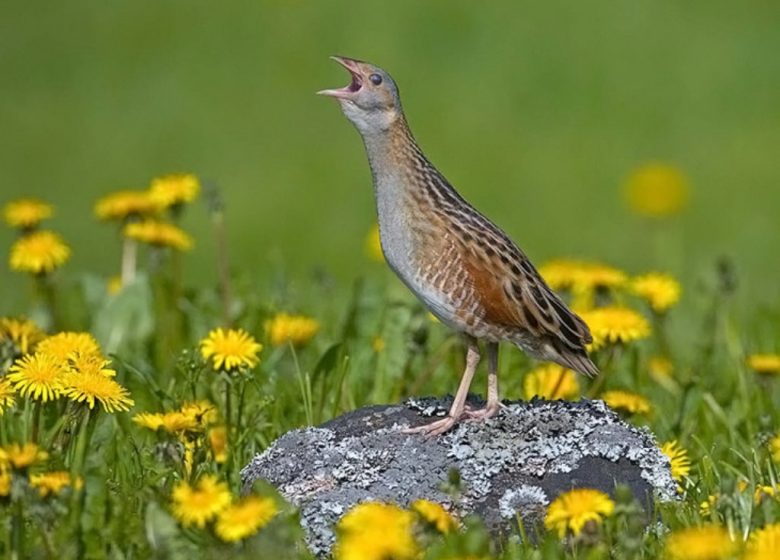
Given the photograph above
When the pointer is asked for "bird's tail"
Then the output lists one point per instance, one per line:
(577, 360)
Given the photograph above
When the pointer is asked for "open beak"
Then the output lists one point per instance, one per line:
(350, 90)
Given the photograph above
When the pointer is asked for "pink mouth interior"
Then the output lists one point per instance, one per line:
(355, 85)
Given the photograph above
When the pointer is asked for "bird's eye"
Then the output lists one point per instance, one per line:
(376, 79)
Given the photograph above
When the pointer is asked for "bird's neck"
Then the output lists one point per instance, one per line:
(393, 154)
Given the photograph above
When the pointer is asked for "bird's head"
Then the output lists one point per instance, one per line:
(370, 100)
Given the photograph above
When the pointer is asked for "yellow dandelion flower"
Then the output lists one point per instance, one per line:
(657, 190)
(768, 364)
(37, 376)
(378, 344)
(297, 329)
(700, 543)
(218, 443)
(374, 245)
(774, 448)
(203, 413)
(199, 504)
(660, 367)
(21, 456)
(612, 325)
(173, 189)
(22, 333)
(92, 387)
(62, 345)
(551, 382)
(434, 514)
(661, 291)
(150, 420)
(376, 531)
(230, 349)
(124, 204)
(764, 544)
(708, 506)
(6, 395)
(573, 510)
(53, 482)
(176, 422)
(624, 400)
(5, 483)
(765, 492)
(26, 213)
(89, 364)
(39, 252)
(245, 518)
(159, 234)
(114, 285)
(678, 457)
(567, 274)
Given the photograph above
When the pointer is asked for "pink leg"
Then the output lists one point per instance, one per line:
(458, 404)
(493, 403)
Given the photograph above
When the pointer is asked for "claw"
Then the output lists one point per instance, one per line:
(433, 429)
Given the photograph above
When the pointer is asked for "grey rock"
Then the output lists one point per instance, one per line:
(512, 465)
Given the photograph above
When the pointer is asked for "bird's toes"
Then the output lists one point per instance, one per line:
(433, 429)
(483, 413)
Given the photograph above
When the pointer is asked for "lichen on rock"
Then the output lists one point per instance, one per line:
(515, 463)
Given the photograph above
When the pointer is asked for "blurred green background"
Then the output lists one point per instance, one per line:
(536, 111)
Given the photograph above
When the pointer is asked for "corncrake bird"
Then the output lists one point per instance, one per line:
(465, 270)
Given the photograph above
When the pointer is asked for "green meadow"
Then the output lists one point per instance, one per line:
(541, 114)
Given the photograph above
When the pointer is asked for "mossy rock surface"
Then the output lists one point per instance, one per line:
(515, 463)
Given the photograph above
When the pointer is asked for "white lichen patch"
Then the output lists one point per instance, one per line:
(522, 500)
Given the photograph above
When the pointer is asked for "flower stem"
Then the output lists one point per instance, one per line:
(223, 270)
(36, 421)
(129, 260)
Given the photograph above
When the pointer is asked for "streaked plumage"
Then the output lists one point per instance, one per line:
(461, 265)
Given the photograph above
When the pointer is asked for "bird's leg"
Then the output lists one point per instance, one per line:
(459, 402)
(493, 403)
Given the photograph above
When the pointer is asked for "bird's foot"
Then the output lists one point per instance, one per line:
(482, 414)
(435, 428)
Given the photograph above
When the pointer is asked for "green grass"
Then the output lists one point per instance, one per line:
(537, 112)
